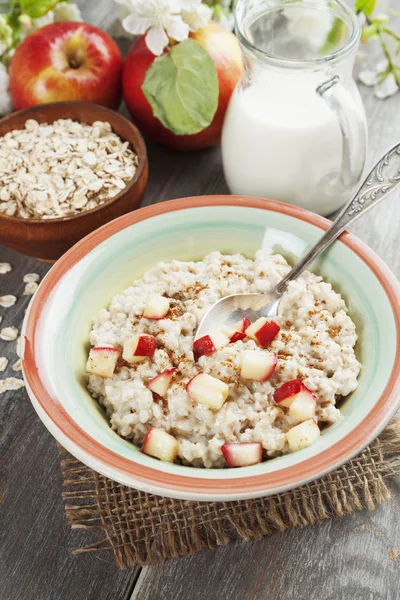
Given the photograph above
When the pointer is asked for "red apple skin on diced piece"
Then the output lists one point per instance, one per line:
(303, 435)
(160, 444)
(298, 398)
(203, 346)
(243, 324)
(209, 344)
(102, 361)
(233, 334)
(238, 335)
(237, 331)
(138, 348)
(287, 390)
(263, 331)
(242, 454)
(156, 308)
(258, 365)
(204, 389)
(160, 384)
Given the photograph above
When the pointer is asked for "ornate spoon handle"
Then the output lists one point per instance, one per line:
(382, 181)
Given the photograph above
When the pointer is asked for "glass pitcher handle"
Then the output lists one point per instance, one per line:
(352, 126)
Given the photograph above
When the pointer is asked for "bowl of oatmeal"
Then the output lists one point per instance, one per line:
(66, 169)
(112, 368)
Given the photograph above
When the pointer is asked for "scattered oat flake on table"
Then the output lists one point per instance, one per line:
(30, 288)
(11, 384)
(5, 268)
(18, 348)
(17, 366)
(394, 553)
(9, 334)
(7, 301)
(31, 277)
(3, 363)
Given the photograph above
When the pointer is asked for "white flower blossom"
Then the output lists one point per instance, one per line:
(195, 14)
(66, 11)
(158, 19)
(382, 88)
(5, 98)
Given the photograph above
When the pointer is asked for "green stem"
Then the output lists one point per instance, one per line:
(391, 33)
(388, 9)
(392, 67)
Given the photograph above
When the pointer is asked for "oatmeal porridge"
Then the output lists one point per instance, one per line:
(238, 396)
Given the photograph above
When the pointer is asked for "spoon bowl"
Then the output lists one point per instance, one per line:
(380, 183)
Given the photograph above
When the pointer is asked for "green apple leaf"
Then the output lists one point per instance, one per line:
(182, 88)
(365, 6)
(37, 8)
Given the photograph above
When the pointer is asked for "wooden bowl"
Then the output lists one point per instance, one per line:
(48, 239)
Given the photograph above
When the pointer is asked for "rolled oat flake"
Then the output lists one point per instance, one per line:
(7, 301)
(9, 334)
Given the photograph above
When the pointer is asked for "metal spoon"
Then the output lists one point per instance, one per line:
(382, 181)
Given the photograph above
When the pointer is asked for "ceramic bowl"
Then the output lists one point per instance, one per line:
(48, 239)
(83, 281)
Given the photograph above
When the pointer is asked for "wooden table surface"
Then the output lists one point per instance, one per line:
(354, 558)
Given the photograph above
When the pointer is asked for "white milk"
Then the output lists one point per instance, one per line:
(282, 141)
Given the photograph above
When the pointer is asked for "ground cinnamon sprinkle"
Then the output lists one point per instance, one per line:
(193, 289)
(175, 311)
(334, 331)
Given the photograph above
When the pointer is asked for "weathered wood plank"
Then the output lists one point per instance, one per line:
(345, 559)
(338, 560)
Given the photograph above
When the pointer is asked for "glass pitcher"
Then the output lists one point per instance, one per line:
(295, 129)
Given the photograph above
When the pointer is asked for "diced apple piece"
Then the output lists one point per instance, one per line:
(303, 435)
(243, 324)
(263, 331)
(303, 406)
(285, 393)
(138, 348)
(237, 331)
(156, 308)
(233, 335)
(161, 383)
(258, 365)
(298, 398)
(102, 361)
(209, 343)
(160, 444)
(242, 454)
(208, 390)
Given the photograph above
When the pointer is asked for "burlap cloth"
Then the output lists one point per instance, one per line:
(142, 529)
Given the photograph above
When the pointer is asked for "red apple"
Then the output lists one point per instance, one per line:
(237, 331)
(160, 444)
(161, 382)
(263, 331)
(209, 343)
(242, 454)
(204, 389)
(66, 61)
(258, 365)
(298, 398)
(224, 50)
(156, 308)
(138, 348)
(303, 435)
(102, 361)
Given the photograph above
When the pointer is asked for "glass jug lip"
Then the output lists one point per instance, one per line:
(284, 62)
